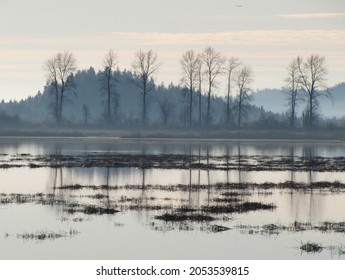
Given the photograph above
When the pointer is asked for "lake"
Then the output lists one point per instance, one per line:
(112, 198)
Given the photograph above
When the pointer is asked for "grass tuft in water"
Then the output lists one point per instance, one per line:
(92, 210)
(47, 235)
(181, 217)
(219, 228)
(238, 208)
(311, 247)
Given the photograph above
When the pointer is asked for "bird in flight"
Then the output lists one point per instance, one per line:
(239, 6)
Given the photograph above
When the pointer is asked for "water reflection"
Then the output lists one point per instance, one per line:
(200, 197)
(307, 205)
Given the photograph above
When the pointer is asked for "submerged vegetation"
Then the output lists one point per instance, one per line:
(269, 229)
(238, 207)
(180, 217)
(311, 247)
(176, 161)
(46, 235)
(91, 209)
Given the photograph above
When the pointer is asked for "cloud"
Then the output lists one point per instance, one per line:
(267, 51)
(162, 41)
(250, 38)
(312, 15)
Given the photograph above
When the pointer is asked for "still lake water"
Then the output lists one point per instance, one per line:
(142, 194)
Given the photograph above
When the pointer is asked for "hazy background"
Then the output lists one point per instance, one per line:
(265, 34)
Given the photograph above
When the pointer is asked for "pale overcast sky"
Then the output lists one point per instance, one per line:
(264, 34)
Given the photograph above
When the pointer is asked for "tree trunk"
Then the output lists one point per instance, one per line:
(228, 110)
(228, 101)
(144, 105)
(293, 104)
(200, 102)
(208, 106)
(108, 88)
(311, 117)
(60, 109)
(239, 110)
(56, 102)
(190, 106)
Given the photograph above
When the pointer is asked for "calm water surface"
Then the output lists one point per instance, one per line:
(142, 194)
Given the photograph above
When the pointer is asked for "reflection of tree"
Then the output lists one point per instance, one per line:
(194, 195)
(239, 163)
(15, 146)
(208, 176)
(292, 167)
(108, 150)
(199, 170)
(227, 164)
(58, 174)
(308, 155)
(107, 186)
(143, 182)
(310, 201)
(190, 176)
(199, 176)
(293, 183)
(308, 152)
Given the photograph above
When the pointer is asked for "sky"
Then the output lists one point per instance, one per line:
(264, 34)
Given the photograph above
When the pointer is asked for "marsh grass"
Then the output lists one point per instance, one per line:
(219, 228)
(181, 217)
(238, 208)
(187, 225)
(166, 227)
(235, 194)
(237, 189)
(226, 200)
(269, 229)
(186, 209)
(47, 235)
(97, 196)
(311, 247)
(177, 161)
(91, 210)
(331, 227)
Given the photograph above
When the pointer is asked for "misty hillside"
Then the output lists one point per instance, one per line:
(167, 105)
(172, 99)
(275, 101)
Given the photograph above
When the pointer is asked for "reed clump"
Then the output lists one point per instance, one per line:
(181, 217)
(311, 247)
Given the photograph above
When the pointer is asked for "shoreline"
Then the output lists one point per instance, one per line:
(317, 135)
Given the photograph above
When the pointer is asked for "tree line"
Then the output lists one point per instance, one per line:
(200, 75)
(306, 82)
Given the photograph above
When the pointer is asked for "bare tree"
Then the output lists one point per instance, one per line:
(199, 82)
(184, 115)
(60, 71)
(145, 65)
(213, 62)
(233, 63)
(312, 75)
(115, 104)
(166, 108)
(243, 80)
(189, 66)
(292, 84)
(108, 80)
(86, 114)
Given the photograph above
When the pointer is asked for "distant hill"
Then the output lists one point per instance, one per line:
(38, 108)
(267, 106)
(275, 101)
